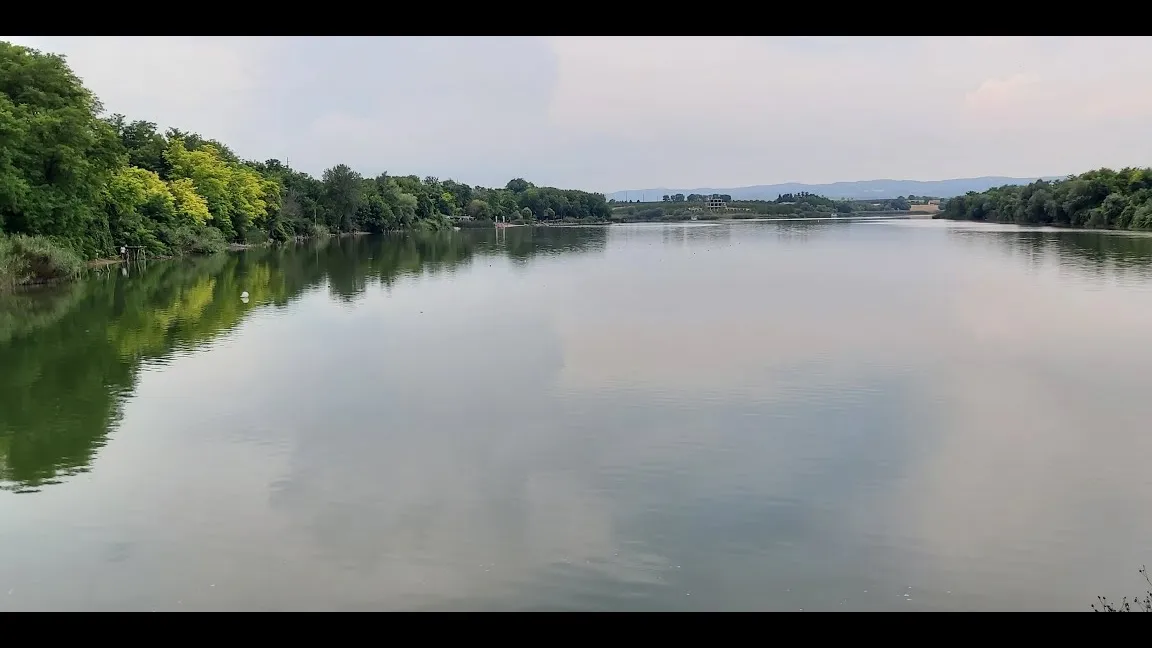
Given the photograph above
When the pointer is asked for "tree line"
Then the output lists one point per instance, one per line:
(900, 203)
(694, 198)
(803, 201)
(1100, 199)
(804, 198)
(92, 183)
(799, 205)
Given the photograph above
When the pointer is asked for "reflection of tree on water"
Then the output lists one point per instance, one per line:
(71, 357)
(523, 243)
(1098, 255)
(803, 229)
(65, 377)
(351, 263)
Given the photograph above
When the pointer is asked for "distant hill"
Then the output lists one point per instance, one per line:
(860, 189)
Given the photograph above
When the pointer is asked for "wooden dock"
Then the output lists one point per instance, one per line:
(133, 253)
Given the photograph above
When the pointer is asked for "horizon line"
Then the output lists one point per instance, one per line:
(798, 182)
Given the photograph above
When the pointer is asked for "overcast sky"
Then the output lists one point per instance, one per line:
(612, 113)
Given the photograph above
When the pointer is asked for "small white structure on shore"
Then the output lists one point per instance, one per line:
(716, 202)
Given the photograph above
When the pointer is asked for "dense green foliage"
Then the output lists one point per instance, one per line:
(93, 184)
(1103, 199)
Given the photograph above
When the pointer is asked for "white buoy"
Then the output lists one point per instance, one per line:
(244, 295)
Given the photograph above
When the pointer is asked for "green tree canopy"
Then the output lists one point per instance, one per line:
(96, 183)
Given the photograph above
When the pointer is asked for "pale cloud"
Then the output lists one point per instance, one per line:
(998, 91)
(1027, 100)
(177, 81)
(606, 113)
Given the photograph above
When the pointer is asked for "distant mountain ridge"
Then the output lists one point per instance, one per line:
(859, 189)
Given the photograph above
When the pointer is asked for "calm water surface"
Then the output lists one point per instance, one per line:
(899, 415)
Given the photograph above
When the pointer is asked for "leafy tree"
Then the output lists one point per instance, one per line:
(343, 195)
(93, 183)
(479, 210)
(209, 176)
(252, 196)
(461, 193)
(375, 215)
(518, 185)
(144, 145)
(406, 205)
(1097, 199)
(56, 155)
(135, 200)
(189, 205)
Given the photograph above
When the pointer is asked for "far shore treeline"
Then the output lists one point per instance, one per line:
(678, 207)
(1100, 199)
(76, 185)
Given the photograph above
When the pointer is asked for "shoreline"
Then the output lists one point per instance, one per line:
(107, 262)
(104, 262)
(1049, 227)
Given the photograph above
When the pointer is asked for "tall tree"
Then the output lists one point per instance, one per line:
(342, 189)
(56, 155)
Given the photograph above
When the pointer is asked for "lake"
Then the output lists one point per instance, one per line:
(816, 415)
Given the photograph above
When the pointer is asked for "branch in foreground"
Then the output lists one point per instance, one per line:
(1137, 604)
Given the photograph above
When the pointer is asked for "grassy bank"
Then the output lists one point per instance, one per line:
(40, 260)
(30, 260)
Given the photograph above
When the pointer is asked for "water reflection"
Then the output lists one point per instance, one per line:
(1102, 257)
(70, 355)
(720, 416)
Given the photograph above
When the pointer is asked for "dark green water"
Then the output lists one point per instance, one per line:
(900, 415)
